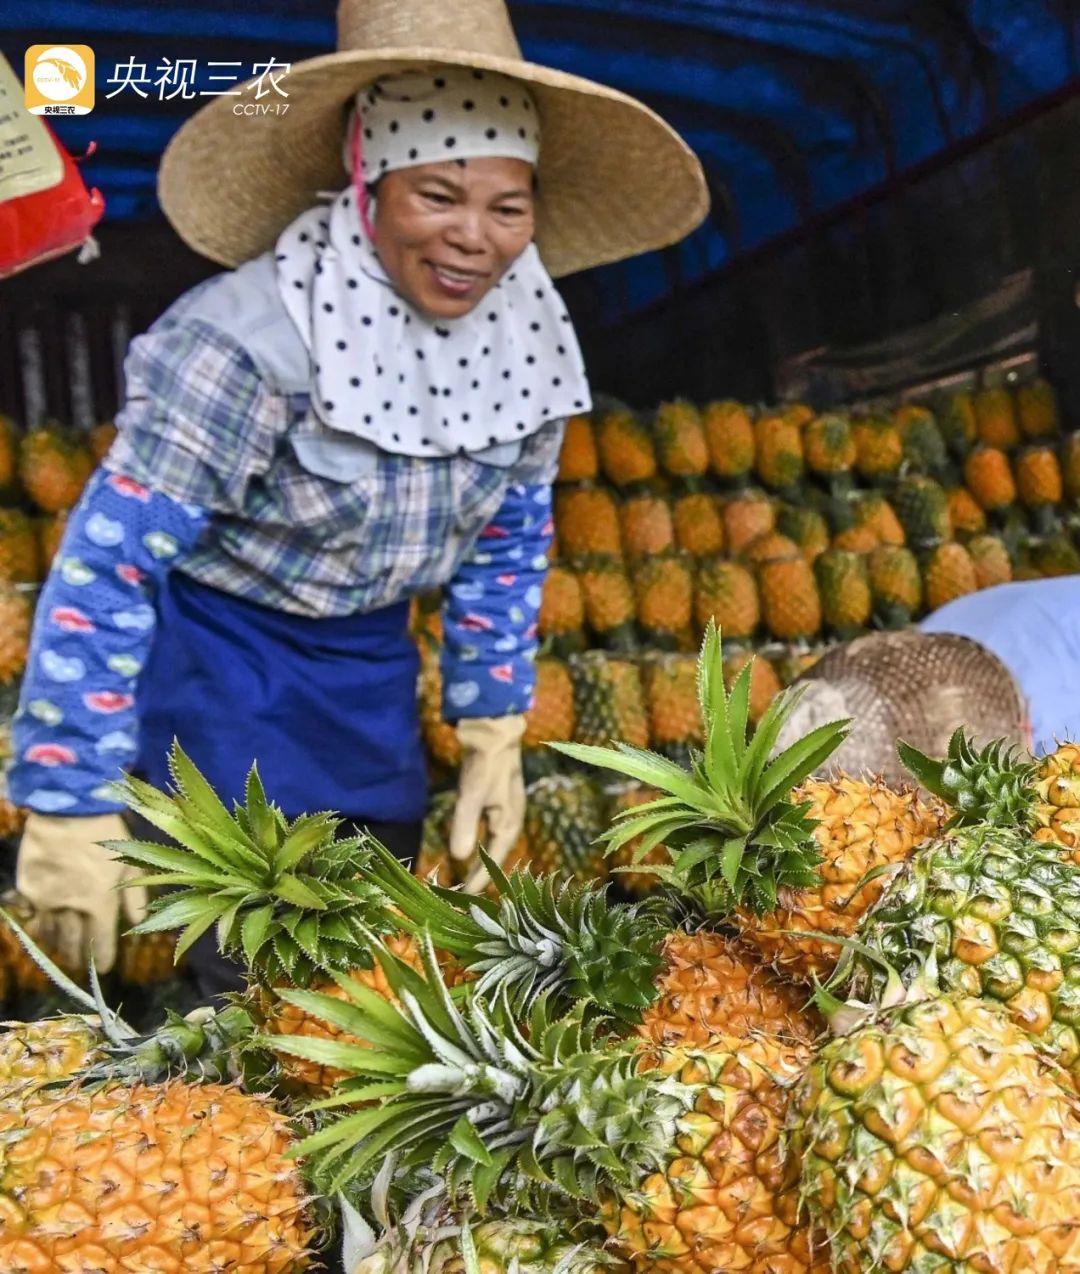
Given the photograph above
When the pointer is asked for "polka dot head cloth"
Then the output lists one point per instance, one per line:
(451, 113)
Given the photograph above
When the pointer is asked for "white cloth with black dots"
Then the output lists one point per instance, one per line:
(383, 371)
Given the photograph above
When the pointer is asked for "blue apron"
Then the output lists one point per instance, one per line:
(326, 706)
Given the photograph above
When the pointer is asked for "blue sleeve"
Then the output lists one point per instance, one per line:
(76, 725)
(492, 607)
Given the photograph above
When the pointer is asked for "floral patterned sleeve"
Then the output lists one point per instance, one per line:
(76, 726)
(490, 618)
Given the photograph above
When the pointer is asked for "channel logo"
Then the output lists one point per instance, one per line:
(59, 79)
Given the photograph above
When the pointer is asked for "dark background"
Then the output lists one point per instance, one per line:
(874, 164)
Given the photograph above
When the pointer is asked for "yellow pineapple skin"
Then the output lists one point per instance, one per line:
(948, 573)
(631, 875)
(578, 459)
(967, 516)
(627, 451)
(778, 459)
(990, 558)
(745, 518)
(1057, 811)
(995, 417)
(646, 526)
(1038, 477)
(862, 825)
(16, 617)
(698, 528)
(551, 717)
(764, 681)
(54, 466)
(989, 478)
(562, 606)
(727, 593)
(729, 434)
(790, 603)
(20, 559)
(41, 1052)
(936, 1137)
(1037, 408)
(167, 1177)
(680, 438)
(727, 1198)
(713, 985)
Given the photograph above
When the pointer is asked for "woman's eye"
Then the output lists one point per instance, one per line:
(511, 211)
(436, 196)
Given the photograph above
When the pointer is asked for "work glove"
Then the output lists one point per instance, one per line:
(491, 786)
(74, 886)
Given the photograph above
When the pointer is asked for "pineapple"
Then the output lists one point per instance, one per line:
(765, 682)
(934, 1136)
(627, 454)
(879, 449)
(991, 560)
(798, 414)
(608, 700)
(698, 526)
(50, 536)
(746, 516)
(1040, 485)
(790, 604)
(562, 610)
(729, 434)
(670, 683)
(9, 451)
(578, 459)
(665, 601)
(797, 859)
(20, 562)
(948, 573)
(680, 440)
(101, 439)
(872, 510)
(967, 897)
(778, 453)
(646, 526)
(770, 547)
(633, 872)
(727, 595)
(844, 586)
(860, 826)
(923, 509)
(286, 897)
(828, 446)
(924, 447)
(967, 517)
(989, 478)
(587, 519)
(1037, 407)
(956, 420)
(145, 959)
(714, 984)
(16, 616)
(133, 1167)
(551, 716)
(806, 527)
(681, 1150)
(995, 418)
(21, 974)
(54, 466)
(609, 602)
(895, 586)
(563, 820)
(857, 539)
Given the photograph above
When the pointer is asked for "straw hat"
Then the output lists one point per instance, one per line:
(615, 180)
(909, 685)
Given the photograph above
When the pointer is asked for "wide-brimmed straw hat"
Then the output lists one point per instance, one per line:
(614, 179)
(918, 687)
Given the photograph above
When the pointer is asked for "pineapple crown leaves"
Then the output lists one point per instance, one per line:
(728, 819)
(549, 936)
(286, 896)
(531, 1112)
(994, 784)
(205, 1045)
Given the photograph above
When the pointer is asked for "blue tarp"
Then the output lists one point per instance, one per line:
(795, 106)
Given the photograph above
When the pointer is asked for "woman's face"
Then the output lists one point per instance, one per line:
(446, 233)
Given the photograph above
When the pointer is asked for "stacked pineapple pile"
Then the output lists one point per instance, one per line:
(791, 527)
(547, 1079)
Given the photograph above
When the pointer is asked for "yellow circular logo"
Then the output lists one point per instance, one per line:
(59, 73)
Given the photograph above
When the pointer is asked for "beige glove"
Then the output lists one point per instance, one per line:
(74, 885)
(491, 784)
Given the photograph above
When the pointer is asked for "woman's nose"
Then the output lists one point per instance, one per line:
(467, 232)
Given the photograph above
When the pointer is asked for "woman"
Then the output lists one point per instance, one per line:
(368, 407)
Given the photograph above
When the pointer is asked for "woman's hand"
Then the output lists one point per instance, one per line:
(491, 785)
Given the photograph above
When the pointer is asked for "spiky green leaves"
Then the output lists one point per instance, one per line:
(994, 784)
(549, 936)
(502, 1113)
(735, 834)
(286, 897)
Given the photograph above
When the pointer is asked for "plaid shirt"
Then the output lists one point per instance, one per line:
(207, 477)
